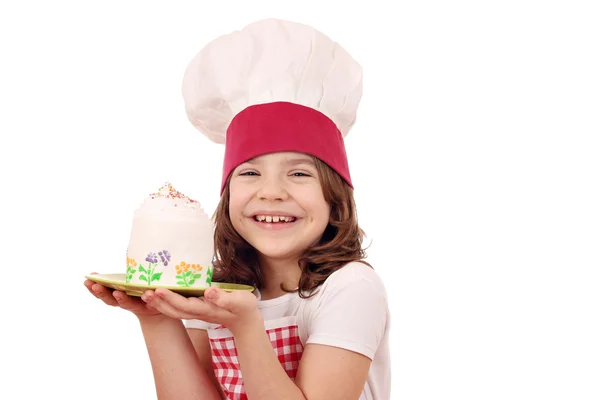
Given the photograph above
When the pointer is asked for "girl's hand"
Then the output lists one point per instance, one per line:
(117, 298)
(233, 310)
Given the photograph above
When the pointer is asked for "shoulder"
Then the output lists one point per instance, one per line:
(354, 278)
(353, 273)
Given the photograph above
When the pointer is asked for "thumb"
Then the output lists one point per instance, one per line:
(216, 296)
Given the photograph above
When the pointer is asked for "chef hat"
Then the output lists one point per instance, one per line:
(274, 86)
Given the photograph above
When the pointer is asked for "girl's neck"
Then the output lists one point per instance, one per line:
(277, 272)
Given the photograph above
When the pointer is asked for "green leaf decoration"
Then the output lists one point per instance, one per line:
(192, 281)
(143, 277)
(156, 276)
(178, 277)
(141, 269)
(196, 276)
(188, 273)
(181, 283)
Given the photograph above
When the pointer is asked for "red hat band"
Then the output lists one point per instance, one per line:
(282, 126)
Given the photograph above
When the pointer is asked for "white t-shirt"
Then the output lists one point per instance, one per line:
(350, 311)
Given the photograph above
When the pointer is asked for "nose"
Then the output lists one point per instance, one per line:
(272, 189)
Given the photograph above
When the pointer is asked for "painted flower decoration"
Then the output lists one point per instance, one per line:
(165, 257)
(151, 258)
(197, 267)
(184, 276)
(182, 267)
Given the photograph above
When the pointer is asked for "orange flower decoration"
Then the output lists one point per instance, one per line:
(182, 267)
(185, 267)
(197, 267)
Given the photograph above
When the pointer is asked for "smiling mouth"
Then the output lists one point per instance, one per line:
(274, 219)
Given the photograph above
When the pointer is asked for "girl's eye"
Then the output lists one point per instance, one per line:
(300, 174)
(249, 173)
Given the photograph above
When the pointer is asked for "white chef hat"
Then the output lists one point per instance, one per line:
(274, 86)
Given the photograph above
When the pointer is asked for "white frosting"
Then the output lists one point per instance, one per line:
(170, 221)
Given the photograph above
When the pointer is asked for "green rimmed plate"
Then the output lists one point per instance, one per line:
(117, 281)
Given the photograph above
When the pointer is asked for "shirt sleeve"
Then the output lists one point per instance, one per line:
(352, 311)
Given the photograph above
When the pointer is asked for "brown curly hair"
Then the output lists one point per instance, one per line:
(236, 260)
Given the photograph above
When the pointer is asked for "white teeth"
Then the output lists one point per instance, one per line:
(273, 218)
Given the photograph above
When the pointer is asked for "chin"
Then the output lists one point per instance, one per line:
(269, 250)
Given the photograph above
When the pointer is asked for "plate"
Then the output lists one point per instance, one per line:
(117, 281)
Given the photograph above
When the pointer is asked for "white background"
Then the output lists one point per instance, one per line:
(475, 159)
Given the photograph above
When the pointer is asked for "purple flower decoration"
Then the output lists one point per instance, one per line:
(165, 257)
(151, 258)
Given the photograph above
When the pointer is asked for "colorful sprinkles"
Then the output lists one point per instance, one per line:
(169, 192)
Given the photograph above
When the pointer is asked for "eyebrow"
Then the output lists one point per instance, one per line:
(299, 161)
(289, 161)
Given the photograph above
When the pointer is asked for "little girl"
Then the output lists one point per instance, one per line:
(281, 96)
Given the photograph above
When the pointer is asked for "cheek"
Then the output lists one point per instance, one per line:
(320, 212)
(324, 215)
(237, 200)
(235, 211)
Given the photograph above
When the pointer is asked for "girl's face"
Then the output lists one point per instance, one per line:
(276, 204)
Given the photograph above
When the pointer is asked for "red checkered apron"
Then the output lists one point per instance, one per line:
(284, 339)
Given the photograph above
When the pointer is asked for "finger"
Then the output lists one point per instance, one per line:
(188, 308)
(105, 295)
(88, 284)
(89, 288)
(164, 307)
(128, 302)
(218, 297)
(212, 293)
